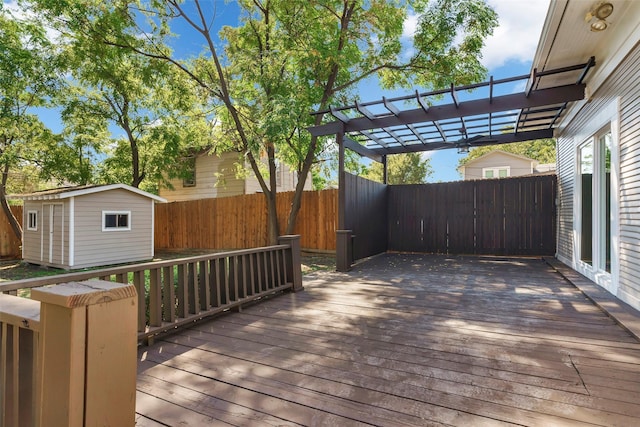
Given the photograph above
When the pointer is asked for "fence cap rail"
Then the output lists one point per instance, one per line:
(80, 294)
(19, 311)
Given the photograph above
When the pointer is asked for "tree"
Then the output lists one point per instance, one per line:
(289, 57)
(152, 107)
(542, 150)
(27, 78)
(409, 168)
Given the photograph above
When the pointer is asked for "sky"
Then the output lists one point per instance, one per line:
(508, 52)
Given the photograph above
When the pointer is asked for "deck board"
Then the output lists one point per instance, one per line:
(402, 340)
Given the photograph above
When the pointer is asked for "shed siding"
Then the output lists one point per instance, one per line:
(31, 239)
(96, 247)
(518, 167)
(36, 243)
(621, 83)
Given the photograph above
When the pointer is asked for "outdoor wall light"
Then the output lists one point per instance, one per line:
(463, 149)
(598, 15)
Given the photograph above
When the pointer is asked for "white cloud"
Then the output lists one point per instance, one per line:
(517, 36)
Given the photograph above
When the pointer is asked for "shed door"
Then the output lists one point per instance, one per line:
(53, 234)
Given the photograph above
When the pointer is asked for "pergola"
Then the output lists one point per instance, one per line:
(487, 114)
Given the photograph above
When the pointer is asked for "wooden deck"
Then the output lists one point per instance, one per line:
(402, 340)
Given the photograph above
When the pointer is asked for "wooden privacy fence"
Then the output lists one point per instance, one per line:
(241, 221)
(514, 216)
(9, 244)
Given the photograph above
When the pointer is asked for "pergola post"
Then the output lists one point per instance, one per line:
(343, 237)
(385, 171)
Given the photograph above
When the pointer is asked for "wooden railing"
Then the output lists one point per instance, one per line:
(68, 356)
(19, 338)
(48, 370)
(176, 292)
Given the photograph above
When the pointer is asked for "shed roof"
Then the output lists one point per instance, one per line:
(67, 192)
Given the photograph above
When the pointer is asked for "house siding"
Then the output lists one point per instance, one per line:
(215, 177)
(621, 86)
(518, 167)
(96, 247)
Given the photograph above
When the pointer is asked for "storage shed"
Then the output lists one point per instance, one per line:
(89, 226)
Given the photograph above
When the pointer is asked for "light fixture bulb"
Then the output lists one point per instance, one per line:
(599, 25)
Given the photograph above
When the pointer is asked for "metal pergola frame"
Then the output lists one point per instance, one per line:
(418, 122)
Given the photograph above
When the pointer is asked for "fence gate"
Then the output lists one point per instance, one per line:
(515, 216)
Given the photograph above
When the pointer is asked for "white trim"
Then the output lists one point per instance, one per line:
(606, 120)
(65, 194)
(72, 231)
(29, 227)
(496, 170)
(153, 230)
(116, 228)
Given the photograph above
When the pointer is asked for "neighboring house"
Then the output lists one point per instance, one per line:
(500, 164)
(215, 176)
(598, 141)
(80, 227)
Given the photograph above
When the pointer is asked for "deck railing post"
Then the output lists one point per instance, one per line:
(344, 250)
(88, 353)
(293, 260)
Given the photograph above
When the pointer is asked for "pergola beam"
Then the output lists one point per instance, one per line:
(361, 149)
(504, 138)
(536, 98)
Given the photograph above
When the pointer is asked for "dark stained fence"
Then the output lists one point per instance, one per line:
(9, 244)
(366, 215)
(514, 216)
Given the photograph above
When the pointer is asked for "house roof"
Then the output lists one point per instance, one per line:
(567, 39)
(67, 192)
(495, 152)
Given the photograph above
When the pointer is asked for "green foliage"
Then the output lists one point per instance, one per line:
(409, 168)
(28, 76)
(542, 150)
(286, 58)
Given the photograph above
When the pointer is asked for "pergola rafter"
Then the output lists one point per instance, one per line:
(384, 128)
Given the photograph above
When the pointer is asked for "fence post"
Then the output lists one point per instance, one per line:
(344, 250)
(88, 353)
(294, 269)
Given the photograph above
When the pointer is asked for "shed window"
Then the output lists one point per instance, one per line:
(112, 221)
(32, 220)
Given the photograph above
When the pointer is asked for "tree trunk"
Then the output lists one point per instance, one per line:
(272, 210)
(15, 225)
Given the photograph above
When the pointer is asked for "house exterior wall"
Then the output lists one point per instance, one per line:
(93, 246)
(614, 104)
(216, 177)
(517, 167)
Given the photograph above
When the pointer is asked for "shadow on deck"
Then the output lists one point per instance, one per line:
(402, 340)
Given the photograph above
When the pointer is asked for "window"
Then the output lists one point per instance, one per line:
(497, 172)
(189, 179)
(32, 220)
(595, 202)
(116, 220)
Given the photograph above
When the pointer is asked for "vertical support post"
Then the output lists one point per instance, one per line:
(88, 353)
(342, 194)
(385, 170)
(293, 261)
(344, 250)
